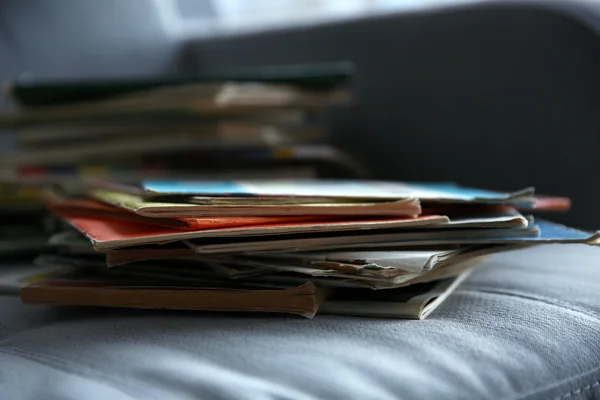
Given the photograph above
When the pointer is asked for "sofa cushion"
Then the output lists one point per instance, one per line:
(525, 324)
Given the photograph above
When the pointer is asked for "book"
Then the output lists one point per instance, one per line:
(83, 290)
(34, 136)
(412, 302)
(89, 209)
(297, 274)
(183, 101)
(108, 234)
(28, 91)
(406, 207)
(204, 137)
(542, 232)
(125, 256)
(502, 217)
(384, 263)
(355, 189)
(270, 159)
(400, 268)
(360, 240)
(548, 232)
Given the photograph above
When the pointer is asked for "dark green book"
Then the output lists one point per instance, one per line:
(29, 92)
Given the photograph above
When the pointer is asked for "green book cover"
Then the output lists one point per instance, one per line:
(27, 91)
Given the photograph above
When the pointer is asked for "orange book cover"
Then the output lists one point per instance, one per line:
(94, 209)
(106, 234)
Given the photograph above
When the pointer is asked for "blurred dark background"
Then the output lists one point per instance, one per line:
(491, 94)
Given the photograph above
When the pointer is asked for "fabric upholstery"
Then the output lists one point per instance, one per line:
(524, 325)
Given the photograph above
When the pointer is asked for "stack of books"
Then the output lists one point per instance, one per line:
(186, 238)
(239, 124)
(242, 124)
(297, 246)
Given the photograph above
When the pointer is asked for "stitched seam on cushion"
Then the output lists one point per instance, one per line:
(556, 303)
(541, 299)
(593, 373)
(578, 391)
(74, 369)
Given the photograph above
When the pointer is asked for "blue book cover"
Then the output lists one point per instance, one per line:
(331, 189)
(539, 233)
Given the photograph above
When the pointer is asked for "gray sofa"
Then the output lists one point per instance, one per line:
(499, 94)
